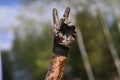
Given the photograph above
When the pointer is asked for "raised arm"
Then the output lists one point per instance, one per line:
(64, 34)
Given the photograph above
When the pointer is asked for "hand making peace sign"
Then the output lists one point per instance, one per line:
(64, 31)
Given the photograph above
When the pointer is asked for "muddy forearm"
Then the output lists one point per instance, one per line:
(57, 64)
(56, 69)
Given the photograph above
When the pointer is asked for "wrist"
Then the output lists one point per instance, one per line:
(60, 49)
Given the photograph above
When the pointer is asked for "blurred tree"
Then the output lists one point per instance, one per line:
(116, 13)
(32, 54)
(84, 55)
(109, 39)
(114, 5)
(95, 44)
(6, 66)
(115, 35)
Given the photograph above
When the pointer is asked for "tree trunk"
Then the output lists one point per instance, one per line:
(109, 39)
(84, 55)
(117, 17)
(0, 67)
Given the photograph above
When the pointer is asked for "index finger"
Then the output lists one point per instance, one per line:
(66, 13)
(55, 17)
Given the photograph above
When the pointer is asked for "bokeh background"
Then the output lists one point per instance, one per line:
(26, 39)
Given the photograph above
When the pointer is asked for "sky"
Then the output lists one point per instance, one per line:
(9, 10)
(9, 2)
(8, 13)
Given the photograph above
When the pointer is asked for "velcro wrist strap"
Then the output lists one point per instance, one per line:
(61, 50)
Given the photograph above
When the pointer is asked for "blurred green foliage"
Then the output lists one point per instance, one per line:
(33, 53)
(96, 46)
(32, 49)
